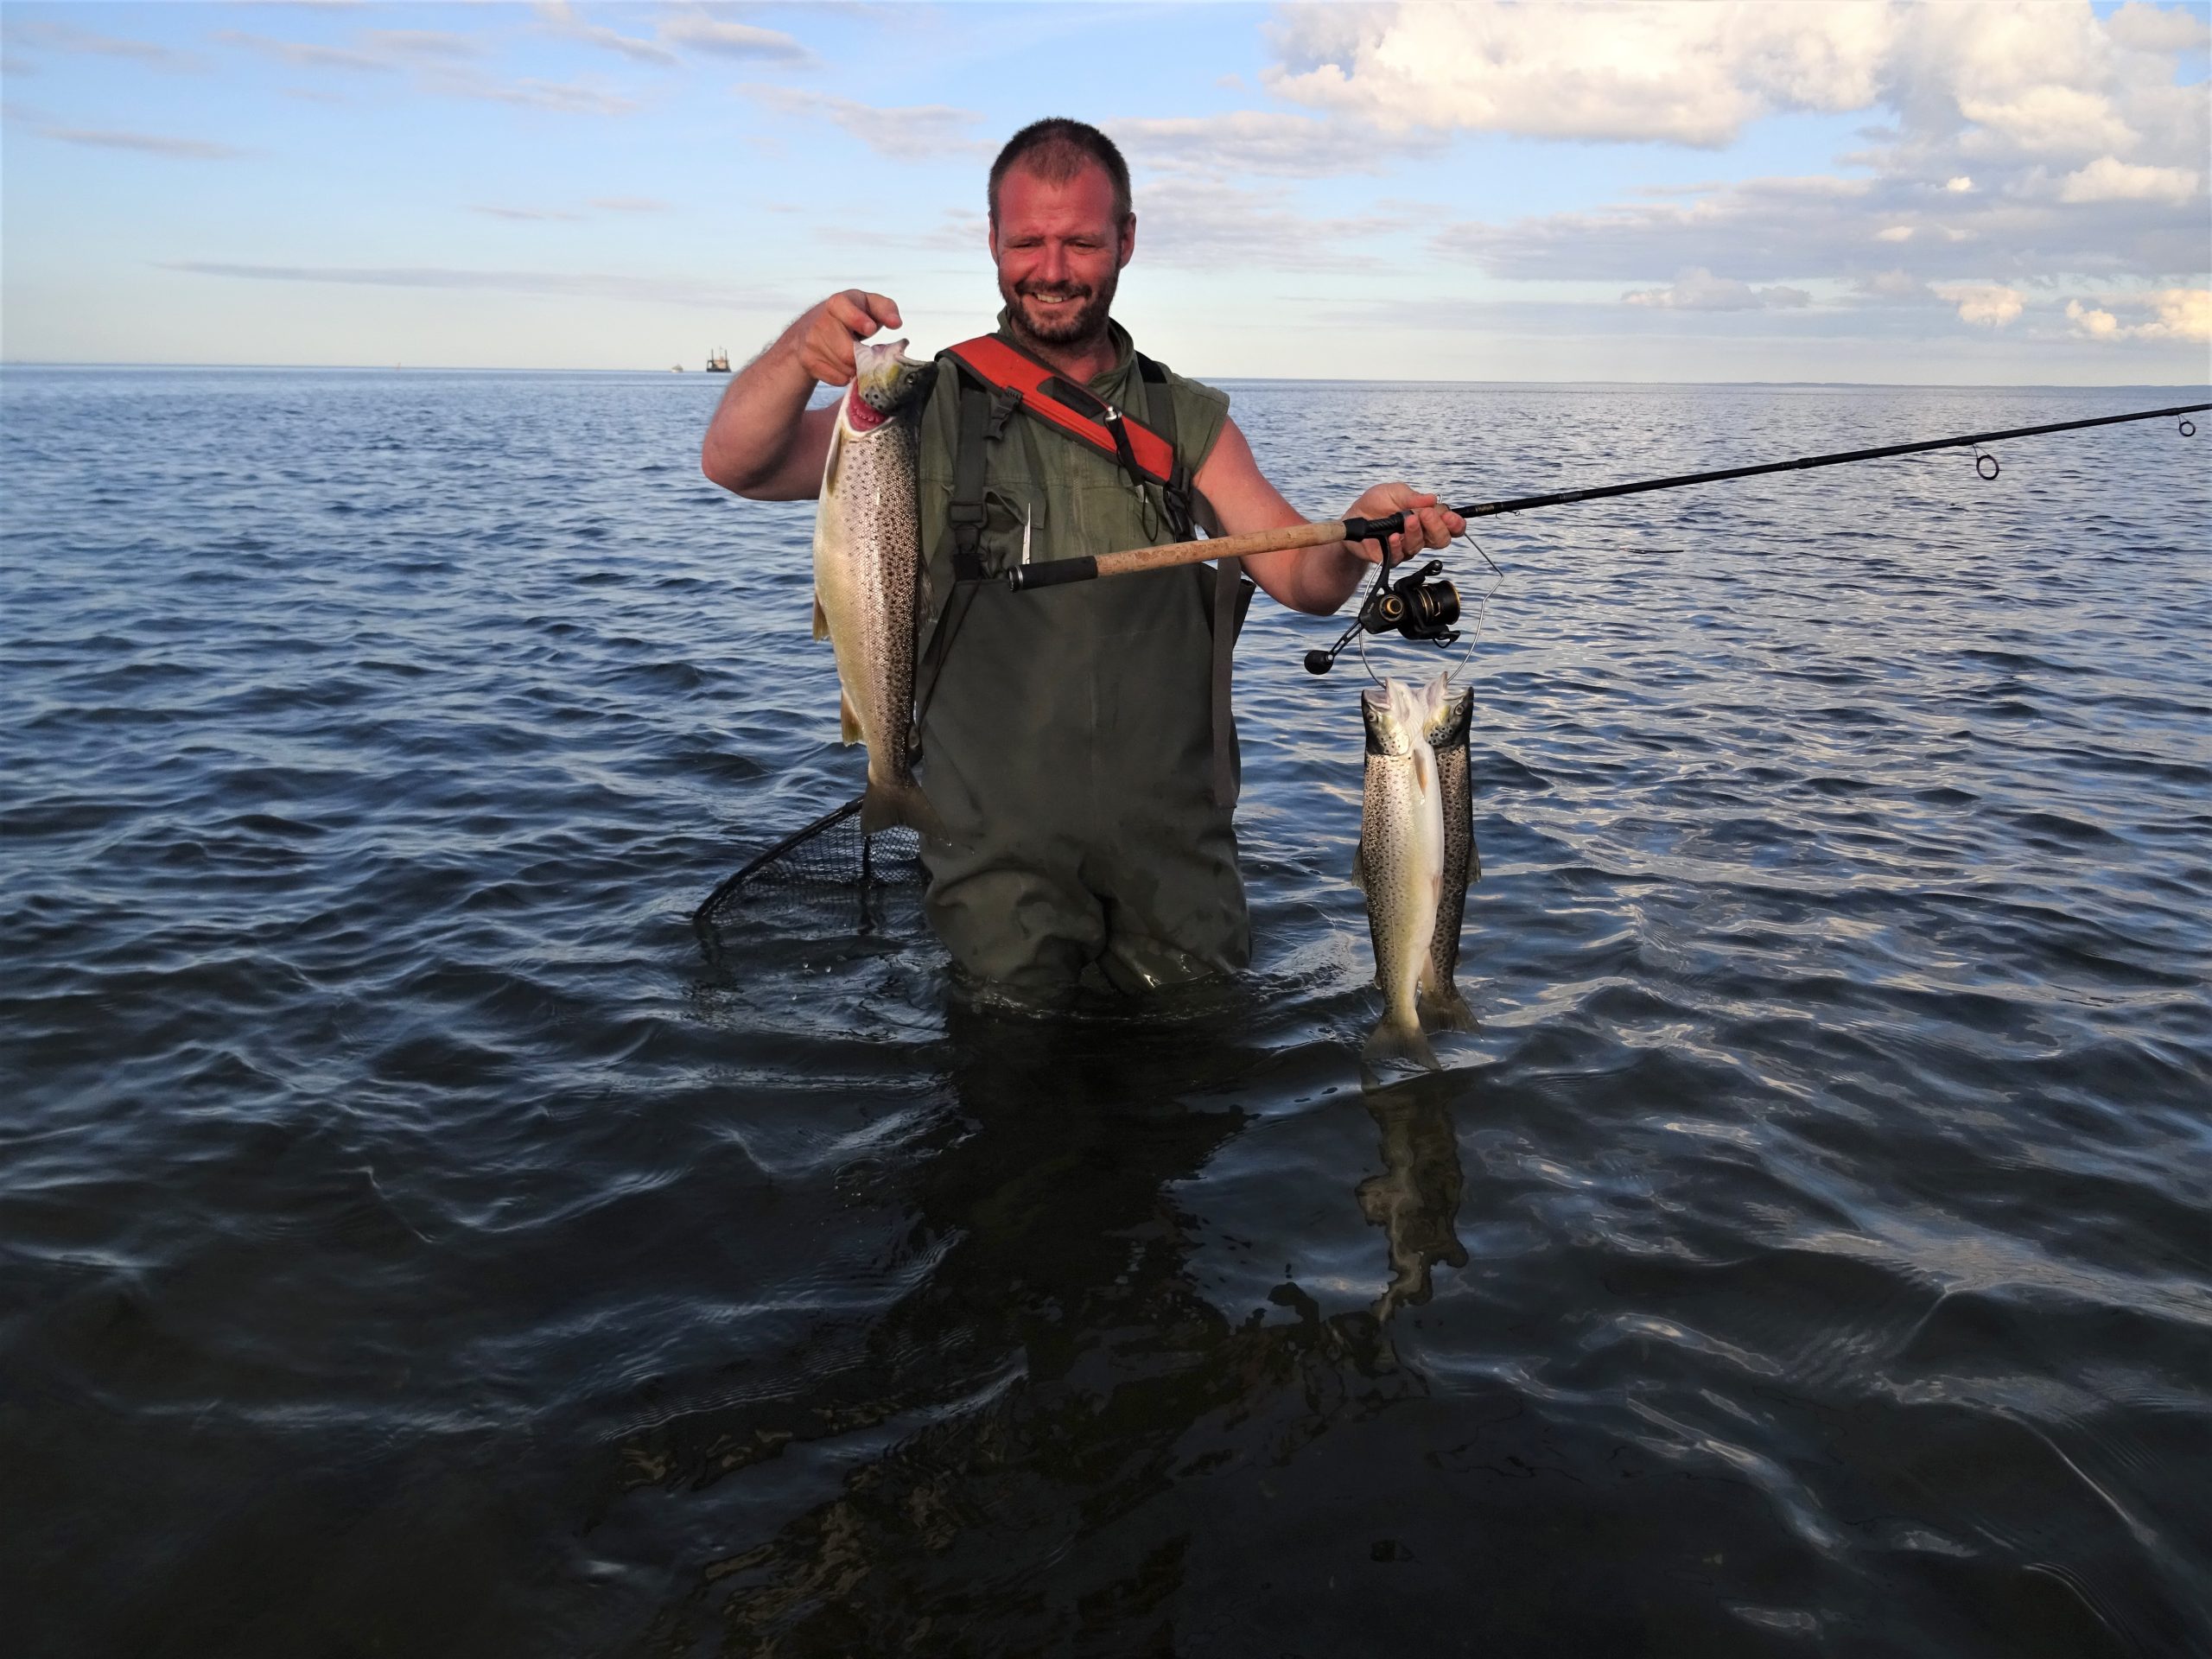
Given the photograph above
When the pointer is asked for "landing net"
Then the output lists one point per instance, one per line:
(827, 858)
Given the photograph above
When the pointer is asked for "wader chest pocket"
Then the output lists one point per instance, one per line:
(1015, 521)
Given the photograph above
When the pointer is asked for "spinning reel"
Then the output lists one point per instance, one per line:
(1421, 606)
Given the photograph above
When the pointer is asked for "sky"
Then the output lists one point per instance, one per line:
(1959, 194)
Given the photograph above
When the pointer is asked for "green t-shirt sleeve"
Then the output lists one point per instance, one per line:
(1201, 411)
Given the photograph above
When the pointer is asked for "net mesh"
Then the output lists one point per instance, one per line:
(827, 859)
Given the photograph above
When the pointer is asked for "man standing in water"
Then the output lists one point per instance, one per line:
(1069, 737)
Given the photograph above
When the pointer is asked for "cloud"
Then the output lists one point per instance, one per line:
(64, 38)
(198, 149)
(1699, 289)
(2109, 179)
(2179, 314)
(422, 43)
(1210, 225)
(629, 205)
(524, 213)
(1894, 287)
(1984, 304)
(1792, 229)
(703, 34)
(567, 284)
(899, 134)
(568, 98)
(2157, 29)
(563, 18)
(1253, 141)
(305, 55)
(1692, 75)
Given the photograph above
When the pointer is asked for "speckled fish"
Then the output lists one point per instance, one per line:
(1449, 720)
(1399, 864)
(867, 551)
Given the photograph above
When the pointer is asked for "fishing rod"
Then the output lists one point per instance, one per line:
(1090, 566)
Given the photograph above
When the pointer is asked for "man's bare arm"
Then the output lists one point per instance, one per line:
(764, 441)
(1316, 580)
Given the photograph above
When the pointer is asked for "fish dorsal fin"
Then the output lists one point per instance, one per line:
(820, 617)
(836, 454)
(849, 720)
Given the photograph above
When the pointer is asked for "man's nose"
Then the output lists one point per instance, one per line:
(1052, 263)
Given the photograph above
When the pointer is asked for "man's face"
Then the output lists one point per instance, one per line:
(1059, 254)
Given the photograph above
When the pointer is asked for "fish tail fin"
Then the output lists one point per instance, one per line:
(1448, 1008)
(1398, 1039)
(887, 804)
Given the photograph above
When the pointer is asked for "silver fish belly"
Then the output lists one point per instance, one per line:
(1399, 864)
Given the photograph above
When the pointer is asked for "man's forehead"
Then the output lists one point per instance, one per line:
(1027, 193)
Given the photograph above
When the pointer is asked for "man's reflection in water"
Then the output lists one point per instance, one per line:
(1071, 1407)
(1415, 1199)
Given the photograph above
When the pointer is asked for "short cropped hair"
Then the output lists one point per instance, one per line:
(1056, 149)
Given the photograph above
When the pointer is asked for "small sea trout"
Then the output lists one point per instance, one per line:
(1399, 864)
(868, 551)
(1449, 720)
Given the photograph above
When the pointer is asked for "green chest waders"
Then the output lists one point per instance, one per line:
(1077, 740)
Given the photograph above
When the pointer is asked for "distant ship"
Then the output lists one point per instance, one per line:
(719, 363)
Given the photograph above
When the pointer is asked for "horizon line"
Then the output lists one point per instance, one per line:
(1247, 379)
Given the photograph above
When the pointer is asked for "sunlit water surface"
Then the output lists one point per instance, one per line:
(415, 1243)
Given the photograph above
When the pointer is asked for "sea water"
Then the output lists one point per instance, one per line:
(412, 1242)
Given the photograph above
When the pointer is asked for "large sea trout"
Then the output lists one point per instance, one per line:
(1449, 720)
(868, 551)
(1399, 864)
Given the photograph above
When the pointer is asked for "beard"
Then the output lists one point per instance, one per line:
(1081, 324)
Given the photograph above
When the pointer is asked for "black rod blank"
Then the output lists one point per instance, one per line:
(1559, 498)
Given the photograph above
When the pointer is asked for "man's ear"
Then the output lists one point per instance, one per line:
(991, 235)
(1129, 240)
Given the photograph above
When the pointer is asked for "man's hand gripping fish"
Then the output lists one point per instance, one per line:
(868, 549)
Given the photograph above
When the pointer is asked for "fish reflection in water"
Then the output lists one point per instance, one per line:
(1026, 1410)
(1415, 1199)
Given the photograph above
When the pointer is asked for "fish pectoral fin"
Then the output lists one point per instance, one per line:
(836, 453)
(849, 719)
(820, 617)
(1359, 865)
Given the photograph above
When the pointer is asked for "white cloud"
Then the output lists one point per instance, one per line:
(305, 55)
(584, 284)
(563, 18)
(1894, 287)
(2109, 179)
(2178, 313)
(704, 34)
(899, 134)
(433, 43)
(63, 37)
(1698, 290)
(566, 98)
(2157, 29)
(1254, 140)
(629, 205)
(1984, 304)
(1680, 74)
(150, 144)
(1208, 224)
(524, 213)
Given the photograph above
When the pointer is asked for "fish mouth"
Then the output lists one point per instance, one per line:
(885, 378)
